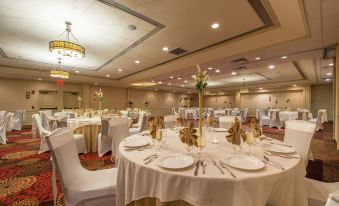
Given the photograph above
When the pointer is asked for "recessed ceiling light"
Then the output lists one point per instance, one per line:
(215, 26)
(179, 78)
(153, 81)
(210, 68)
(119, 70)
(233, 73)
(137, 61)
(329, 74)
(182, 85)
(39, 79)
(185, 81)
(95, 83)
(257, 58)
(328, 79)
(77, 71)
(260, 88)
(284, 57)
(217, 71)
(131, 27)
(330, 65)
(165, 48)
(159, 82)
(171, 77)
(294, 85)
(173, 90)
(188, 92)
(169, 83)
(107, 75)
(156, 89)
(271, 66)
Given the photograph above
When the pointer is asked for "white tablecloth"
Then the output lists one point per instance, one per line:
(279, 188)
(288, 115)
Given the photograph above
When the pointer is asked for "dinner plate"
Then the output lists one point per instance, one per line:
(244, 162)
(175, 161)
(278, 148)
(219, 129)
(136, 142)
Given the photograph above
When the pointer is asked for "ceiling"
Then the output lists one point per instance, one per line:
(268, 29)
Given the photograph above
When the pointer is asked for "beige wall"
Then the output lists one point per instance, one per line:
(114, 98)
(322, 98)
(218, 101)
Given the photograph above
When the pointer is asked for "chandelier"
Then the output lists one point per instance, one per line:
(59, 72)
(66, 48)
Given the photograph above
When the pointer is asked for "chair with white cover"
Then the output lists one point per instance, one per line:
(227, 121)
(44, 119)
(299, 133)
(318, 121)
(136, 128)
(264, 119)
(80, 186)
(319, 192)
(4, 119)
(17, 119)
(118, 130)
(60, 114)
(170, 120)
(79, 138)
(275, 120)
(124, 113)
(174, 112)
(104, 141)
(333, 199)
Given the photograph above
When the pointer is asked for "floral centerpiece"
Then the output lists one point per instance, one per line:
(79, 99)
(201, 84)
(130, 103)
(146, 103)
(99, 97)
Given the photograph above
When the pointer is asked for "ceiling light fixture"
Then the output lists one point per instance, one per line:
(257, 58)
(169, 84)
(179, 78)
(217, 71)
(153, 81)
(185, 81)
(95, 83)
(119, 70)
(59, 72)
(182, 85)
(215, 26)
(327, 79)
(159, 82)
(77, 72)
(210, 68)
(107, 75)
(233, 73)
(294, 85)
(65, 48)
(260, 88)
(39, 79)
(329, 74)
(137, 61)
(331, 65)
(171, 77)
(156, 89)
(271, 66)
(165, 48)
(284, 57)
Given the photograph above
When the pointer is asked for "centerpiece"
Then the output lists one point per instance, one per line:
(146, 103)
(201, 84)
(79, 99)
(130, 103)
(99, 96)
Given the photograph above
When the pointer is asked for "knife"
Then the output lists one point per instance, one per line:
(223, 165)
(217, 166)
(273, 165)
(197, 164)
(151, 159)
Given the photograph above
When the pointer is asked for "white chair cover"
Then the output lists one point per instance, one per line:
(4, 119)
(124, 113)
(17, 119)
(43, 133)
(227, 121)
(136, 128)
(80, 186)
(104, 140)
(170, 120)
(10, 122)
(318, 192)
(275, 120)
(318, 121)
(44, 120)
(117, 131)
(60, 114)
(299, 133)
(333, 199)
(174, 112)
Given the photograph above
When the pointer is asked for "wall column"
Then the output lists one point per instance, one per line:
(336, 97)
(86, 96)
(60, 99)
(237, 99)
(307, 97)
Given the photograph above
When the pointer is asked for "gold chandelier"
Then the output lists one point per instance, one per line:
(66, 48)
(59, 72)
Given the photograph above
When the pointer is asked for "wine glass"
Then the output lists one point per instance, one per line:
(158, 138)
(249, 141)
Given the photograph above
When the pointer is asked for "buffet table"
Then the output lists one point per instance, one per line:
(151, 184)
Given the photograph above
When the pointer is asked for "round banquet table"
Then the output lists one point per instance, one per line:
(90, 128)
(288, 115)
(140, 184)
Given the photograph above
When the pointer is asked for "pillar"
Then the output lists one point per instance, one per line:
(86, 96)
(237, 99)
(336, 97)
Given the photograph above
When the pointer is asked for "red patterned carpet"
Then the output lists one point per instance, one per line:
(25, 175)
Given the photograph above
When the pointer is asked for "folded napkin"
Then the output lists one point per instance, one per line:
(189, 135)
(303, 115)
(181, 121)
(235, 133)
(155, 123)
(210, 121)
(256, 127)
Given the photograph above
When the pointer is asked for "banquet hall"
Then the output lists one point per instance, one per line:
(169, 103)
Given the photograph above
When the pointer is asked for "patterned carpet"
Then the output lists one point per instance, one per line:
(25, 175)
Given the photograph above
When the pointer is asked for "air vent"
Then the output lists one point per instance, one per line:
(240, 61)
(241, 67)
(178, 51)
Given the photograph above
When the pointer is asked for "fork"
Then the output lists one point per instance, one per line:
(217, 166)
(223, 165)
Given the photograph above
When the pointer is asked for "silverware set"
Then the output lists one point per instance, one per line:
(286, 156)
(200, 163)
(285, 145)
(223, 165)
(138, 148)
(151, 158)
(277, 165)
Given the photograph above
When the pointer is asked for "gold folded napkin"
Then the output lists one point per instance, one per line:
(189, 135)
(155, 123)
(256, 127)
(235, 133)
(181, 121)
(210, 121)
